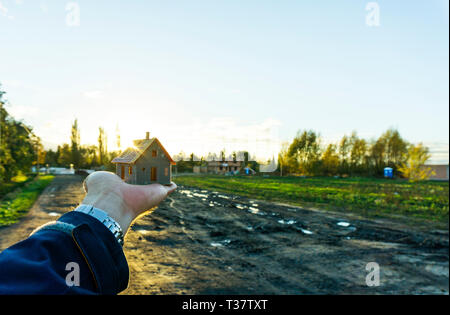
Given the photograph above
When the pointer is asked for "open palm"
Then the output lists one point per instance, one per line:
(122, 201)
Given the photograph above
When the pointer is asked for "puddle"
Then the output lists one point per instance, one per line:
(223, 197)
(344, 224)
(187, 193)
(289, 222)
(211, 204)
(306, 232)
(253, 210)
(239, 206)
(200, 195)
(254, 204)
(220, 244)
(250, 228)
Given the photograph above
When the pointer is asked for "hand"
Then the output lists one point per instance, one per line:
(122, 201)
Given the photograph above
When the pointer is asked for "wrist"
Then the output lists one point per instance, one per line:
(114, 206)
(105, 219)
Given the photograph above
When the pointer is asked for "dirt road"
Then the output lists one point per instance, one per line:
(204, 242)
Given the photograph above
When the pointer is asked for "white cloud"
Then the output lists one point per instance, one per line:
(4, 12)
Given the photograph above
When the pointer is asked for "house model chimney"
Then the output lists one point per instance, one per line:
(147, 135)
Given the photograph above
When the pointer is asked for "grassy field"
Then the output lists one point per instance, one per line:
(365, 196)
(16, 204)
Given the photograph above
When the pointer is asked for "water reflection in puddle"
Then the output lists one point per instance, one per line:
(289, 222)
(306, 232)
(220, 244)
(253, 210)
(344, 224)
(200, 195)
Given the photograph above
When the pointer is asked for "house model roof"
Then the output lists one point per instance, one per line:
(131, 155)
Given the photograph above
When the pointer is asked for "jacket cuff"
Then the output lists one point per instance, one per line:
(101, 251)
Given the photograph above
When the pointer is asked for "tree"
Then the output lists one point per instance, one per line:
(51, 157)
(344, 155)
(305, 151)
(330, 160)
(75, 144)
(388, 150)
(358, 153)
(18, 145)
(396, 148)
(414, 166)
(102, 146)
(65, 155)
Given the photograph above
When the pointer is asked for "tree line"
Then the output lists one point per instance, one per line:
(82, 156)
(354, 156)
(306, 155)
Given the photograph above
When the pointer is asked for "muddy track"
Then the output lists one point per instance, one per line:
(204, 242)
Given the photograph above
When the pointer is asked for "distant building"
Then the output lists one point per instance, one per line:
(441, 171)
(219, 167)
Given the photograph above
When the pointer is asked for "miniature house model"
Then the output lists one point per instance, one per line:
(147, 163)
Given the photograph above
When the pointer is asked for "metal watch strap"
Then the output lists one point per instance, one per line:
(104, 218)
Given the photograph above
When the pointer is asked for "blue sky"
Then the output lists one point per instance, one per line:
(203, 75)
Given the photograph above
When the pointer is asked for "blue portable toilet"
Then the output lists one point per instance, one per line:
(388, 172)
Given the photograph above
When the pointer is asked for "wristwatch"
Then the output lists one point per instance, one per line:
(104, 218)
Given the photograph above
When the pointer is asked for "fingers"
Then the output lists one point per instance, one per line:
(171, 188)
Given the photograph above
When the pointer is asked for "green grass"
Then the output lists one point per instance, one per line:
(365, 196)
(14, 206)
(16, 182)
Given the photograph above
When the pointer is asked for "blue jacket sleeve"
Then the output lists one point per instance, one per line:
(86, 260)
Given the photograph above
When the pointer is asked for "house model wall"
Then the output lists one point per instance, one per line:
(146, 163)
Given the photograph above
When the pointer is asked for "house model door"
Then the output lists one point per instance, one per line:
(153, 174)
(122, 172)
